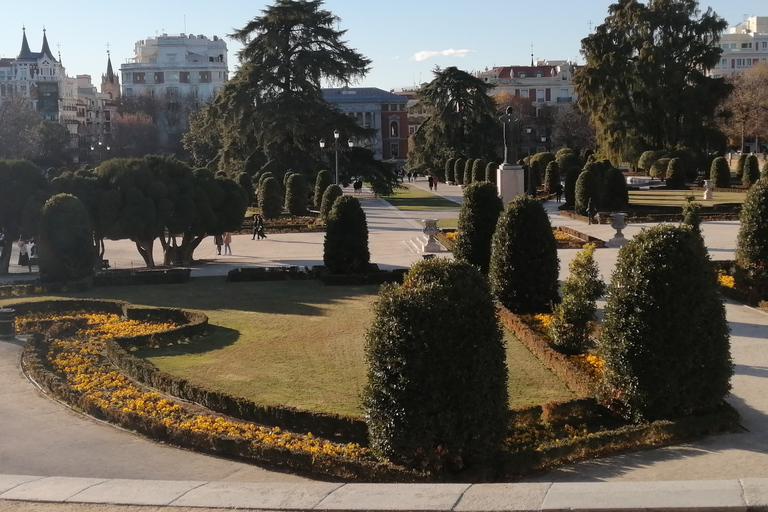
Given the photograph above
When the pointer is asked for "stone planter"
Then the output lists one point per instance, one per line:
(430, 230)
(618, 222)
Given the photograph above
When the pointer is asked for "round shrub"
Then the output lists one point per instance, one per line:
(346, 238)
(478, 170)
(552, 177)
(659, 168)
(450, 174)
(468, 171)
(615, 193)
(480, 210)
(571, 176)
(270, 198)
(541, 160)
(332, 192)
(648, 158)
(297, 195)
(570, 319)
(490, 172)
(665, 337)
(587, 187)
(66, 251)
(524, 265)
(567, 158)
(323, 180)
(751, 171)
(752, 242)
(692, 161)
(675, 174)
(458, 171)
(720, 172)
(436, 393)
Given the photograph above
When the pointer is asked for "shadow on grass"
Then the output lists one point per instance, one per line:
(217, 338)
(421, 203)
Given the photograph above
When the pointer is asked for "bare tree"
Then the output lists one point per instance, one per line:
(572, 128)
(746, 109)
(17, 123)
(133, 135)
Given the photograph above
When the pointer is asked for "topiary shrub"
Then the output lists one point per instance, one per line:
(323, 180)
(296, 195)
(648, 158)
(490, 172)
(764, 170)
(587, 187)
(542, 160)
(571, 176)
(692, 161)
(615, 193)
(458, 171)
(524, 265)
(659, 168)
(720, 172)
(692, 213)
(332, 192)
(480, 210)
(675, 174)
(478, 170)
(436, 393)
(665, 336)
(345, 250)
(569, 328)
(552, 177)
(262, 177)
(66, 251)
(468, 171)
(752, 242)
(567, 158)
(740, 165)
(270, 198)
(751, 172)
(450, 174)
(286, 177)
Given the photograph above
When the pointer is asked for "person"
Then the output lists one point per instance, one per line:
(429, 181)
(260, 227)
(227, 239)
(409, 177)
(559, 192)
(435, 181)
(24, 254)
(218, 241)
(591, 212)
(255, 226)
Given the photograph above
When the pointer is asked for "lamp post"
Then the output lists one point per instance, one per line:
(99, 145)
(530, 190)
(336, 147)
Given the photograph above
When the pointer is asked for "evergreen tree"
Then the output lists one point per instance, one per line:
(345, 249)
(490, 172)
(449, 174)
(478, 170)
(270, 199)
(587, 187)
(480, 210)
(322, 181)
(552, 177)
(720, 172)
(524, 265)
(751, 172)
(468, 171)
(676, 174)
(752, 242)
(458, 171)
(571, 177)
(332, 192)
(296, 195)
(615, 192)
(64, 239)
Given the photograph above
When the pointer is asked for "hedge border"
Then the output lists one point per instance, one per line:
(128, 277)
(250, 274)
(582, 236)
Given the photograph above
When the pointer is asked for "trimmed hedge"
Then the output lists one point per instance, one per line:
(479, 214)
(249, 274)
(126, 277)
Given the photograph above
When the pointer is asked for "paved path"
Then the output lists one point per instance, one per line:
(40, 437)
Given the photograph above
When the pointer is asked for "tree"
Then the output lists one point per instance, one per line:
(572, 128)
(461, 120)
(478, 170)
(332, 192)
(645, 84)
(133, 136)
(552, 177)
(436, 392)
(17, 122)
(345, 249)
(587, 188)
(449, 174)
(751, 172)
(270, 198)
(468, 170)
(746, 106)
(458, 171)
(297, 195)
(64, 240)
(720, 172)
(89, 187)
(676, 174)
(480, 210)
(615, 193)
(323, 180)
(665, 336)
(524, 265)
(752, 242)
(51, 143)
(572, 174)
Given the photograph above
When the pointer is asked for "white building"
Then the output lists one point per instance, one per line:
(176, 66)
(744, 46)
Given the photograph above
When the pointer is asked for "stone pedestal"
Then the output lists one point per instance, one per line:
(618, 222)
(510, 180)
(708, 186)
(430, 243)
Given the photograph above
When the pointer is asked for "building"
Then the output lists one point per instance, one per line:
(94, 117)
(744, 46)
(416, 115)
(379, 109)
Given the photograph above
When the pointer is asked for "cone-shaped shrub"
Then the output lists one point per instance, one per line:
(322, 181)
(571, 176)
(665, 338)
(458, 171)
(346, 238)
(764, 170)
(552, 177)
(468, 171)
(659, 168)
(751, 171)
(675, 174)
(524, 265)
(450, 173)
(436, 394)
(692, 213)
(570, 319)
(720, 172)
(478, 170)
(490, 172)
(263, 176)
(297, 194)
(752, 242)
(480, 210)
(740, 165)
(332, 192)
(286, 177)
(66, 251)
(615, 193)
(587, 187)
(270, 200)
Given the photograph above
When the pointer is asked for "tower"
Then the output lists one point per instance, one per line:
(110, 82)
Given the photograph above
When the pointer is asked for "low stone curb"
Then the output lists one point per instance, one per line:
(748, 494)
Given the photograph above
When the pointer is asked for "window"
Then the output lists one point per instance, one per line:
(411, 130)
(159, 77)
(764, 45)
(746, 45)
(184, 77)
(521, 75)
(394, 129)
(138, 78)
(128, 91)
(384, 108)
(205, 77)
(540, 95)
(524, 93)
(173, 76)
(394, 151)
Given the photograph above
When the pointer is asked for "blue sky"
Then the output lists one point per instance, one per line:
(405, 39)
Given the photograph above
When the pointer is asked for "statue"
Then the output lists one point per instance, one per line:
(511, 127)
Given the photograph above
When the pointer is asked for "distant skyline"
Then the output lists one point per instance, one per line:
(405, 39)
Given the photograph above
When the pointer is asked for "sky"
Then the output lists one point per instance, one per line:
(405, 39)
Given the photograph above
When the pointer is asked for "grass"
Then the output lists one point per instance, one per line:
(292, 343)
(411, 198)
(676, 198)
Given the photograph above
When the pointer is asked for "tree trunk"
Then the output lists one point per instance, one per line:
(145, 250)
(189, 243)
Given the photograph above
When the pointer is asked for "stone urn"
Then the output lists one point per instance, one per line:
(430, 230)
(618, 222)
(708, 188)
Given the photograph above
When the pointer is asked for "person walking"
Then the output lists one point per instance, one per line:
(591, 212)
(559, 192)
(429, 181)
(255, 226)
(260, 227)
(227, 239)
(24, 254)
(218, 241)
(435, 181)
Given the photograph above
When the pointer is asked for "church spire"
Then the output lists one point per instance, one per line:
(46, 49)
(25, 52)
(110, 72)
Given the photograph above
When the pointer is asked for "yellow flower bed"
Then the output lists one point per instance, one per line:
(725, 279)
(79, 361)
(594, 362)
(452, 235)
(561, 236)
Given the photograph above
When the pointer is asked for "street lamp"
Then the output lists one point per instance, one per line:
(336, 147)
(531, 188)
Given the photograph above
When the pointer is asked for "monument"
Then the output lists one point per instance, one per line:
(510, 178)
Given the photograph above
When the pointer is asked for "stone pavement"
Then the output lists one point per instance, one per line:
(76, 459)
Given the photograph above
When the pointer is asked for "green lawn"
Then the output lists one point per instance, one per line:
(411, 198)
(677, 197)
(293, 343)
